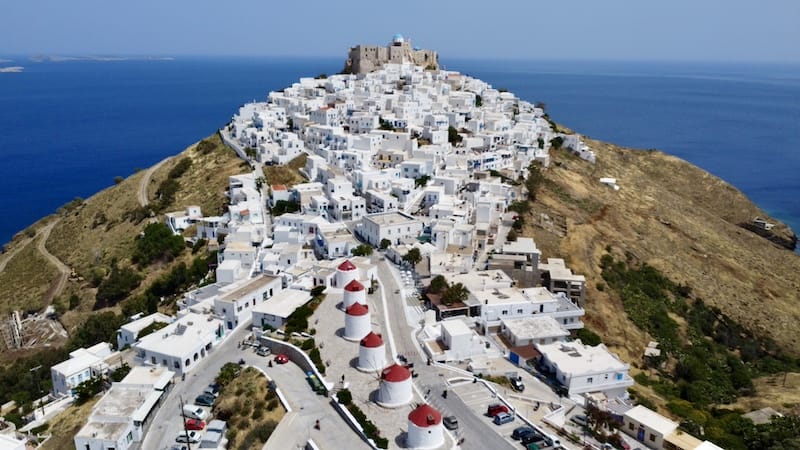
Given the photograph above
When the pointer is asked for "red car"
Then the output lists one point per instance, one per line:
(195, 424)
(281, 359)
(495, 409)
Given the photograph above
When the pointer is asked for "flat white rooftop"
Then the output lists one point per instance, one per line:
(522, 245)
(241, 290)
(107, 431)
(283, 303)
(577, 358)
(181, 336)
(390, 218)
(537, 327)
(652, 420)
(156, 376)
(455, 327)
(138, 325)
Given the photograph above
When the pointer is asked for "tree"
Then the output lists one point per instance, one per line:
(119, 284)
(452, 136)
(438, 284)
(385, 243)
(87, 389)
(156, 243)
(362, 250)
(534, 180)
(512, 235)
(557, 142)
(422, 181)
(118, 180)
(413, 256)
(478, 101)
(455, 293)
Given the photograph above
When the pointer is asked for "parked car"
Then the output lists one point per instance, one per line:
(580, 420)
(195, 412)
(521, 431)
(450, 422)
(281, 359)
(195, 424)
(205, 400)
(495, 409)
(502, 418)
(517, 384)
(192, 437)
(212, 389)
(536, 438)
(263, 351)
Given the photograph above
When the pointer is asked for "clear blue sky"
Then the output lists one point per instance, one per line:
(718, 30)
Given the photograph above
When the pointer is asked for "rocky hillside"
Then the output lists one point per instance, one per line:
(677, 218)
(88, 237)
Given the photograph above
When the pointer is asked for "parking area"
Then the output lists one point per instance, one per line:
(478, 398)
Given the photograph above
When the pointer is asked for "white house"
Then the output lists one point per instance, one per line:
(274, 312)
(507, 303)
(83, 364)
(647, 426)
(181, 344)
(179, 221)
(118, 420)
(10, 443)
(235, 304)
(532, 330)
(393, 226)
(582, 369)
(128, 334)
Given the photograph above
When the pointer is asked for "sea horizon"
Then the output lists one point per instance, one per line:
(95, 120)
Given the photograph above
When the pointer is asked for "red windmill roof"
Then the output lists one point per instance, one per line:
(395, 373)
(357, 309)
(347, 265)
(354, 286)
(425, 416)
(372, 340)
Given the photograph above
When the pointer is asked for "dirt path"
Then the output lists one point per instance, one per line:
(58, 285)
(142, 194)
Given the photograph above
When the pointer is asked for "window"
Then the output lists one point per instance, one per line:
(187, 362)
(177, 364)
(519, 311)
(652, 437)
(630, 426)
(589, 380)
(541, 308)
(606, 376)
(504, 312)
(196, 356)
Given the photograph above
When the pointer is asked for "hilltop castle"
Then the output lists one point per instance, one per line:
(364, 59)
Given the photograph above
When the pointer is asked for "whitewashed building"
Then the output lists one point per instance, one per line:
(82, 365)
(582, 369)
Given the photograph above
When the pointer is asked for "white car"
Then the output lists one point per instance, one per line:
(192, 437)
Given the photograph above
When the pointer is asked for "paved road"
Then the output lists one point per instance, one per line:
(306, 405)
(63, 270)
(142, 194)
(476, 432)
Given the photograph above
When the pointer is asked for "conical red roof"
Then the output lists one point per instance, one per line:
(347, 265)
(395, 373)
(357, 309)
(372, 340)
(354, 286)
(425, 416)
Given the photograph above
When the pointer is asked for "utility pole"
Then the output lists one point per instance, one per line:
(34, 372)
(183, 420)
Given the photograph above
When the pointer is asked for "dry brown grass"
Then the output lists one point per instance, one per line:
(780, 391)
(91, 235)
(25, 280)
(66, 425)
(288, 174)
(679, 219)
(250, 405)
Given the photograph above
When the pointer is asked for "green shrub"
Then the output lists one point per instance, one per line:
(345, 396)
(588, 337)
(180, 168)
(157, 242)
(119, 284)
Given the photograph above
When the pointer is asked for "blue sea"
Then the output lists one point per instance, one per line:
(68, 128)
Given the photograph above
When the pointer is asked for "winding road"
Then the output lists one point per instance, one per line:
(63, 270)
(142, 193)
